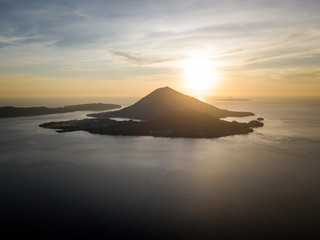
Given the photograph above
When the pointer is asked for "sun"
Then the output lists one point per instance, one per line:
(199, 76)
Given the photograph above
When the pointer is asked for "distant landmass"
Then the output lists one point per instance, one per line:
(187, 123)
(165, 100)
(231, 99)
(10, 111)
(164, 113)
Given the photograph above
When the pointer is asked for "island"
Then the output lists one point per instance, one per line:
(163, 113)
(9, 111)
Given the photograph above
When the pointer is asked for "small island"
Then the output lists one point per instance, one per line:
(9, 111)
(163, 113)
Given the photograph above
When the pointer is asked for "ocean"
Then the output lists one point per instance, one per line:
(264, 185)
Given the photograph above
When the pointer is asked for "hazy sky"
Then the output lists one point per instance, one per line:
(130, 47)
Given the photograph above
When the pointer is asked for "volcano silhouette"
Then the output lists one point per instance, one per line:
(165, 100)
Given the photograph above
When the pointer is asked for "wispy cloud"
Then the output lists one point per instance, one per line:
(4, 39)
(285, 54)
(138, 59)
(308, 75)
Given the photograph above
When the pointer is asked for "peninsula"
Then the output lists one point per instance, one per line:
(163, 113)
(6, 112)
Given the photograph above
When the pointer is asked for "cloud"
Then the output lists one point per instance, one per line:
(137, 59)
(285, 54)
(4, 39)
(310, 76)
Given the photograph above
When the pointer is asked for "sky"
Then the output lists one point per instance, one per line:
(131, 47)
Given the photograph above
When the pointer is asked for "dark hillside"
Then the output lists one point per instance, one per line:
(165, 100)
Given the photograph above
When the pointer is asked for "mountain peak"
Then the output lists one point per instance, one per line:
(164, 89)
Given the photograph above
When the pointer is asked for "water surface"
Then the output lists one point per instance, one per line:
(264, 185)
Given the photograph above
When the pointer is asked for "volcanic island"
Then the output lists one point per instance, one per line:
(162, 113)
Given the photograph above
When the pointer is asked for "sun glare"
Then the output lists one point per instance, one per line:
(199, 76)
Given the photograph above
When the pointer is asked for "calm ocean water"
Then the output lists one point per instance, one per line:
(265, 185)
